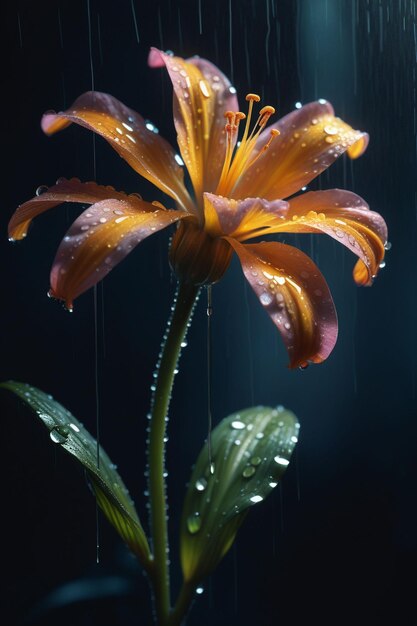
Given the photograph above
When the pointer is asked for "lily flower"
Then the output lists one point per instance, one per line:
(238, 193)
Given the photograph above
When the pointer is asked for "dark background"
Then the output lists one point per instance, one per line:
(336, 543)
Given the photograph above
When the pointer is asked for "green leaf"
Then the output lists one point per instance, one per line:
(250, 452)
(112, 496)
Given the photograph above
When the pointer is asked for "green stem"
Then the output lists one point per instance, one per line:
(177, 330)
(182, 605)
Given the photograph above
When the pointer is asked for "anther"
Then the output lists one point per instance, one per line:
(229, 115)
(240, 116)
(268, 110)
(253, 96)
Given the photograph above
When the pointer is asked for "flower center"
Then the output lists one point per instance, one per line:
(239, 160)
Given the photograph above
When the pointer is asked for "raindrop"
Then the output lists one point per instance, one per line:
(194, 523)
(255, 460)
(199, 590)
(256, 499)
(265, 298)
(248, 472)
(41, 189)
(75, 428)
(238, 425)
(298, 105)
(382, 265)
(201, 484)
(388, 245)
(59, 434)
(273, 485)
(280, 460)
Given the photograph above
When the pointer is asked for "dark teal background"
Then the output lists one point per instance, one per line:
(336, 543)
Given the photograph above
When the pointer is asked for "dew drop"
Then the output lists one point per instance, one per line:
(265, 298)
(204, 88)
(256, 460)
(41, 189)
(201, 484)
(256, 499)
(387, 245)
(194, 523)
(280, 460)
(59, 434)
(248, 472)
(238, 425)
(199, 590)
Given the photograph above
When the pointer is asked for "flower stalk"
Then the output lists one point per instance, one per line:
(177, 329)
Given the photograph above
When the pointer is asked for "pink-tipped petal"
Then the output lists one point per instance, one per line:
(101, 237)
(202, 95)
(145, 151)
(63, 191)
(310, 140)
(295, 295)
(241, 219)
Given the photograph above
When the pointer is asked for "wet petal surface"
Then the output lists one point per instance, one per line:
(99, 239)
(241, 219)
(145, 151)
(202, 94)
(346, 217)
(63, 191)
(295, 295)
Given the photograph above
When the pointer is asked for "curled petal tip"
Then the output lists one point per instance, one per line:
(358, 148)
(155, 58)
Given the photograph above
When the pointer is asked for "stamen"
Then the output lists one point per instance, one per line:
(274, 133)
(234, 166)
(253, 97)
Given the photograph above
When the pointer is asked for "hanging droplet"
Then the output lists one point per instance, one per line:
(248, 471)
(194, 523)
(388, 245)
(201, 484)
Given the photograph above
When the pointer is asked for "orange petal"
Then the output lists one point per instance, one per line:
(99, 239)
(241, 219)
(310, 139)
(64, 191)
(202, 95)
(346, 217)
(145, 151)
(295, 295)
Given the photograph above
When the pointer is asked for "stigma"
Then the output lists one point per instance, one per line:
(238, 160)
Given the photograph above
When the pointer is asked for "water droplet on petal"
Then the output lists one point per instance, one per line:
(41, 189)
(265, 298)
